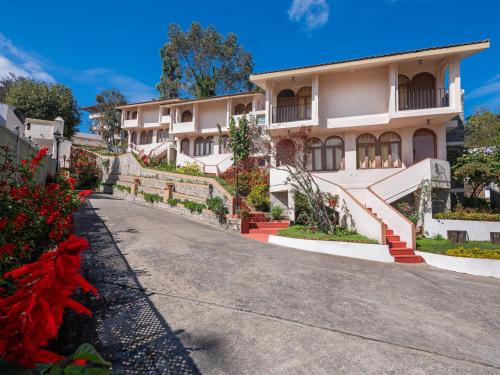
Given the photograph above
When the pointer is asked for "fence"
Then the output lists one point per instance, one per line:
(26, 151)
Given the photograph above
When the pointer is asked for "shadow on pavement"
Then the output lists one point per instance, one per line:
(133, 335)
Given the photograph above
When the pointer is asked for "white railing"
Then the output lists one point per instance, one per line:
(402, 227)
(158, 150)
(406, 181)
(353, 214)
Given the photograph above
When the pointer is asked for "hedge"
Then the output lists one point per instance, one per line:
(473, 216)
(474, 252)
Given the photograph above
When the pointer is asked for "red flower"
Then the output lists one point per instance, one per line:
(7, 248)
(24, 162)
(80, 362)
(19, 193)
(3, 223)
(19, 220)
(33, 314)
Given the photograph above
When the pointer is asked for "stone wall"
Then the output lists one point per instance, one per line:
(26, 151)
(126, 168)
(206, 216)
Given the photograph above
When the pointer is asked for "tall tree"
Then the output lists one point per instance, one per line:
(108, 117)
(202, 62)
(482, 129)
(6, 83)
(45, 101)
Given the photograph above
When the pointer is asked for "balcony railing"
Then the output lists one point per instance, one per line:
(293, 113)
(422, 99)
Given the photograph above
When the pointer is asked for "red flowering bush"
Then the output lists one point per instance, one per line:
(32, 315)
(249, 176)
(36, 282)
(33, 218)
(84, 169)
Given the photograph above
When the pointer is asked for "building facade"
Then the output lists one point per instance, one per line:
(378, 125)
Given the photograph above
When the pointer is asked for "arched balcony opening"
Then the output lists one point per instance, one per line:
(209, 145)
(187, 116)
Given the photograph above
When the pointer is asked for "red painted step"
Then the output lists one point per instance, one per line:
(397, 248)
(269, 225)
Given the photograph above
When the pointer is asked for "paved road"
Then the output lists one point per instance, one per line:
(242, 307)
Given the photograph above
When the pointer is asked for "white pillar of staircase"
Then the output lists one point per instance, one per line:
(350, 150)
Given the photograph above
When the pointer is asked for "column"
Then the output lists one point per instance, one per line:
(350, 150)
(315, 99)
(393, 84)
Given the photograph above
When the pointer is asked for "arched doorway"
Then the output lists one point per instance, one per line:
(424, 145)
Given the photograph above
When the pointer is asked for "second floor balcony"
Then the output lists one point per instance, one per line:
(300, 112)
(412, 99)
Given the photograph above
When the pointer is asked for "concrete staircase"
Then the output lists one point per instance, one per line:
(397, 248)
(261, 228)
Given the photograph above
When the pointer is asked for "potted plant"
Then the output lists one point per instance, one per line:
(244, 215)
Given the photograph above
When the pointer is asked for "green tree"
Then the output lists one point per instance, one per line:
(45, 101)
(203, 63)
(478, 168)
(482, 129)
(6, 83)
(240, 138)
(108, 118)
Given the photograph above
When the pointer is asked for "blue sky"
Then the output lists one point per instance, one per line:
(93, 45)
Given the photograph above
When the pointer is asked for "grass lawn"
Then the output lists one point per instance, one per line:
(437, 246)
(304, 232)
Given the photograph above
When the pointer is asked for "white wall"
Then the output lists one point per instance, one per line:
(210, 114)
(476, 230)
(150, 115)
(362, 92)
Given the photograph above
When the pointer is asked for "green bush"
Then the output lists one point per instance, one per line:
(152, 197)
(308, 233)
(217, 206)
(303, 211)
(167, 166)
(259, 197)
(194, 206)
(474, 252)
(119, 187)
(192, 169)
(172, 202)
(243, 213)
(277, 212)
(462, 215)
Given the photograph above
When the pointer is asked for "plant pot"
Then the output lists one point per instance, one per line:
(245, 225)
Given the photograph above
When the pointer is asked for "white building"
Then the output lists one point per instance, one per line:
(378, 123)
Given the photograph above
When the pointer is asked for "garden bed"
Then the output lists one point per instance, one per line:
(443, 246)
(304, 232)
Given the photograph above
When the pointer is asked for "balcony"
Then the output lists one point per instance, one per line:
(165, 119)
(292, 113)
(131, 123)
(183, 127)
(412, 99)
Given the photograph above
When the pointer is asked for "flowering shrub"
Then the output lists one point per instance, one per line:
(83, 168)
(248, 176)
(192, 169)
(36, 282)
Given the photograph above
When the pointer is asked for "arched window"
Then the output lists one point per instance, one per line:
(239, 109)
(159, 136)
(390, 150)
(209, 145)
(150, 137)
(367, 151)
(286, 151)
(286, 98)
(403, 92)
(198, 146)
(187, 116)
(286, 109)
(423, 91)
(334, 153)
(304, 100)
(143, 138)
(313, 155)
(185, 146)
(134, 115)
(424, 145)
(133, 138)
(248, 108)
(224, 146)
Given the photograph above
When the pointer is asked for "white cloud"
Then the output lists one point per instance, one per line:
(21, 63)
(314, 13)
(489, 92)
(103, 78)
(15, 60)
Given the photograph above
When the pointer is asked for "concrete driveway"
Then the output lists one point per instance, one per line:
(243, 307)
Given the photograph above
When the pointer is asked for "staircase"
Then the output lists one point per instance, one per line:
(397, 248)
(261, 227)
